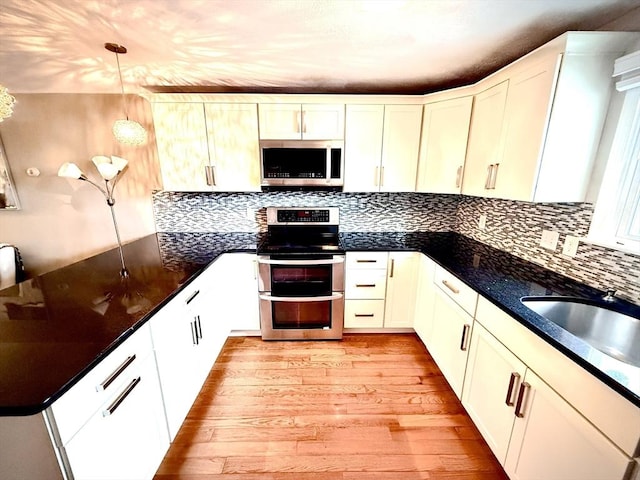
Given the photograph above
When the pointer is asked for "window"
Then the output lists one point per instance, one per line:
(616, 220)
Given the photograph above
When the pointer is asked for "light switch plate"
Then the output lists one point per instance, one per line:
(570, 246)
(549, 239)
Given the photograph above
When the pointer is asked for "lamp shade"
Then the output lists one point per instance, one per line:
(69, 170)
(129, 132)
(109, 167)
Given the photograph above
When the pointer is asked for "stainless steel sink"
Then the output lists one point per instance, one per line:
(614, 334)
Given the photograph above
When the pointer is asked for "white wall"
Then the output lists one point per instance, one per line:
(64, 220)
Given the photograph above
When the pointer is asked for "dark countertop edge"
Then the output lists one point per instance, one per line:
(26, 410)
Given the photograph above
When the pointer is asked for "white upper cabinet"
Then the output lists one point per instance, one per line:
(381, 147)
(232, 132)
(535, 133)
(181, 136)
(445, 130)
(363, 148)
(483, 151)
(205, 147)
(301, 122)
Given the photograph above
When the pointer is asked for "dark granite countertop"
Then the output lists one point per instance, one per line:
(55, 327)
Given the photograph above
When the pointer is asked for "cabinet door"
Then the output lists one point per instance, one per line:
(401, 289)
(445, 130)
(423, 320)
(181, 136)
(322, 122)
(551, 440)
(485, 138)
(280, 121)
(491, 384)
(232, 131)
(451, 334)
(400, 146)
(174, 343)
(363, 148)
(527, 111)
(236, 291)
(126, 439)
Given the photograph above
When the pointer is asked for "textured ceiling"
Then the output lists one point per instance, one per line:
(342, 46)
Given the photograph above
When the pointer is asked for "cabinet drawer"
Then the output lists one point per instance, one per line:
(366, 260)
(462, 294)
(73, 409)
(364, 314)
(366, 284)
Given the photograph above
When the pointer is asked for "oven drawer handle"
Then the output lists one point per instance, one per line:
(323, 298)
(326, 261)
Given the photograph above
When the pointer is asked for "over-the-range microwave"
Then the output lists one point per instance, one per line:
(302, 163)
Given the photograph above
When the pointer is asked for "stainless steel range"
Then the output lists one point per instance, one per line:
(301, 275)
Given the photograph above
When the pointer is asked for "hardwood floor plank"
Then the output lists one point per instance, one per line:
(369, 407)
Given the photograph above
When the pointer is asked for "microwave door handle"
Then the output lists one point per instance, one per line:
(328, 261)
(321, 298)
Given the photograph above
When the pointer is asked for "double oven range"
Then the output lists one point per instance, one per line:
(301, 275)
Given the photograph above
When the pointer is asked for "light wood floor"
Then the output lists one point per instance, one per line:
(369, 407)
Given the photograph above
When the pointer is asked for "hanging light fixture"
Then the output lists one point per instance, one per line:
(127, 132)
(6, 103)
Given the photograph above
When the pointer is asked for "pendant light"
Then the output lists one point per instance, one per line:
(127, 132)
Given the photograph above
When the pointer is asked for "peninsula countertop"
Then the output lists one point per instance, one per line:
(56, 327)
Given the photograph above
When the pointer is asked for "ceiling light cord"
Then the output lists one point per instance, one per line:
(124, 101)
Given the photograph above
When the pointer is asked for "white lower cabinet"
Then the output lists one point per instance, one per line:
(365, 289)
(126, 438)
(423, 316)
(187, 337)
(111, 424)
(532, 430)
(449, 339)
(401, 289)
(551, 440)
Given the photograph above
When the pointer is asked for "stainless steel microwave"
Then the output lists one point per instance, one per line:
(302, 163)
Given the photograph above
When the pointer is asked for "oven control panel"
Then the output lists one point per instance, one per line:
(297, 216)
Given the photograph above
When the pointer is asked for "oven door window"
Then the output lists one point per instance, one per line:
(301, 314)
(301, 280)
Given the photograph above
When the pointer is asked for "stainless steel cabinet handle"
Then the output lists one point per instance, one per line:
(376, 177)
(118, 401)
(494, 176)
(324, 298)
(364, 315)
(487, 180)
(193, 295)
(208, 173)
(366, 261)
(458, 176)
(382, 176)
(194, 334)
(304, 122)
(450, 287)
(199, 327)
(393, 264)
(365, 285)
(524, 388)
(330, 261)
(464, 344)
(116, 373)
(515, 376)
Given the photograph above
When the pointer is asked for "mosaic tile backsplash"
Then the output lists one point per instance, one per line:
(514, 227)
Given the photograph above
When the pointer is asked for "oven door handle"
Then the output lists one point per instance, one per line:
(324, 261)
(322, 298)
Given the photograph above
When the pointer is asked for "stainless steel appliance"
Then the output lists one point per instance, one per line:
(301, 275)
(301, 163)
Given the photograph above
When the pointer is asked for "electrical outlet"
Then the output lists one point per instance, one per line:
(482, 222)
(570, 246)
(250, 214)
(549, 239)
